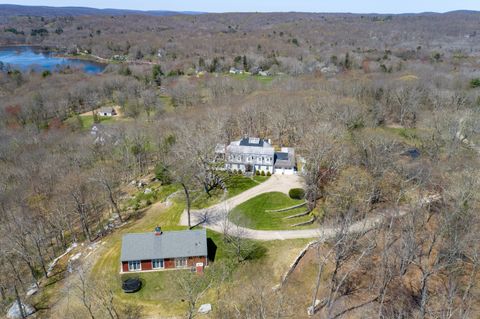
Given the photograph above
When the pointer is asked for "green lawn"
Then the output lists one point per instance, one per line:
(253, 213)
(259, 78)
(236, 184)
(86, 121)
(260, 179)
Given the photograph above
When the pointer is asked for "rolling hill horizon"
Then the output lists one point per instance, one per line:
(21, 10)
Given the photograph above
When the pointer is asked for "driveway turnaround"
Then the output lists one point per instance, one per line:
(216, 216)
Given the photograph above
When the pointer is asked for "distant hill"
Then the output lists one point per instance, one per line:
(18, 10)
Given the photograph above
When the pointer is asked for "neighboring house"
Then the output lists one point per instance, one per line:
(235, 71)
(107, 111)
(159, 250)
(252, 154)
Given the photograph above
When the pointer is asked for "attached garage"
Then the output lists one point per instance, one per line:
(285, 161)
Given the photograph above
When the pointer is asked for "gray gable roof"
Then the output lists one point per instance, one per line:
(106, 109)
(173, 244)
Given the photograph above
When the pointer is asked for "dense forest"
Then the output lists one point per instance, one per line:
(384, 111)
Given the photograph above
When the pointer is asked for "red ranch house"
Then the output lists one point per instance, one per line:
(159, 250)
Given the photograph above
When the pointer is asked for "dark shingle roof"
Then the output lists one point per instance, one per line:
(285, 159)
(281, 156)
(173, 244)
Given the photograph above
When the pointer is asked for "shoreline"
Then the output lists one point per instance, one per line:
(52, 52)
(79, 56)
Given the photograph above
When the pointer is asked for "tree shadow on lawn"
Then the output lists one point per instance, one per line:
(56, 277)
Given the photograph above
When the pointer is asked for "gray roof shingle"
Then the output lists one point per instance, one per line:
(172, 244)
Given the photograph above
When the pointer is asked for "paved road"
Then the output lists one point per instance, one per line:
(214, 217)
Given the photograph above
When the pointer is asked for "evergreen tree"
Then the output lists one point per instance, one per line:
(157, 74)
(245, 63)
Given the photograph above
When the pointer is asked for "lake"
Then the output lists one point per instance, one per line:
(27, 58)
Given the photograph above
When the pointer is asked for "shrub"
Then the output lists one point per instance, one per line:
(263, 173)
(475, 83)
(269, 174)
(162, 174)
(296, 193)
(257, 173)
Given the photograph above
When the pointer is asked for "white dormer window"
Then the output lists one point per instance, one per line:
(254, 140)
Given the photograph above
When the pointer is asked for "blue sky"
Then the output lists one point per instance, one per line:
(356, 6)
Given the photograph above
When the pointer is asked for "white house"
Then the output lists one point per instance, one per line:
(252, 154)
(107, 111)
(235, 71)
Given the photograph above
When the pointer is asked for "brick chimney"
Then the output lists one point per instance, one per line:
(158, 231)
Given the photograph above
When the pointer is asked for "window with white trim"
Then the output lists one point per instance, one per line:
(180, 262)
(134, 265)
(157, 263)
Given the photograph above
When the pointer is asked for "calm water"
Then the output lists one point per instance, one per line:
(27, 58)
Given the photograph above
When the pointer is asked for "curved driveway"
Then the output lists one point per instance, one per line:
(215, 217)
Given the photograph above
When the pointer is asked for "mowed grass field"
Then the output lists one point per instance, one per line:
(255, 213)
(85, 122)
(235, 185)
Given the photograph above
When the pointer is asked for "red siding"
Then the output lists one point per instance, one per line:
(169, 263)
(193, 260)
(146, 265)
